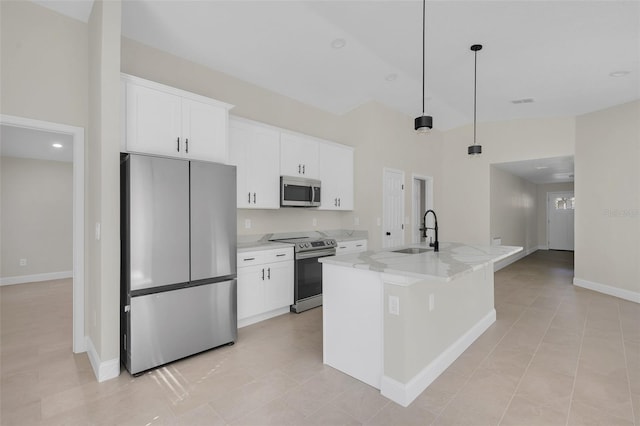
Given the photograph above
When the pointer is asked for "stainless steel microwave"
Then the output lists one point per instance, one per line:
(299, 192)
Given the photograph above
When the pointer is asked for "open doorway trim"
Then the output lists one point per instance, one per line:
(428, 195)
(77, 133)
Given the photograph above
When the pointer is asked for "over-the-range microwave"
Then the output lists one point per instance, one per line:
(299, 192)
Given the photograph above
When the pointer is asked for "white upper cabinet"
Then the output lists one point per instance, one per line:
(336, 175)
(298, 155)
(255, 150)
(166, 121)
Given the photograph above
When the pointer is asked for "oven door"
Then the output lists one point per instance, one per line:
(308, 271)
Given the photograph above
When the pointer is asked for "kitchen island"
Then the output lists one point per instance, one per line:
(397, 318)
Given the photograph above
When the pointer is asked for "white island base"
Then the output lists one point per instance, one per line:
(397, 321)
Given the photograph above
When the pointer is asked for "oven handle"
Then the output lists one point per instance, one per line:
(315, 253)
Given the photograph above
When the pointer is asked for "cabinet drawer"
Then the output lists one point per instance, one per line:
(346, 247)
(261, 257)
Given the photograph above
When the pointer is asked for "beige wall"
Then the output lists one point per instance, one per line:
(607, 190)
(541, 207)
(513, 210)
(37, 217)
(103, 287)
(381, 137)
(464, 214)
(44, 64)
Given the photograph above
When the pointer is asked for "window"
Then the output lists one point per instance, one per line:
(564, 203)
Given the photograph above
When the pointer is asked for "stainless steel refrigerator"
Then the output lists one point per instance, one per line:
(178, 266)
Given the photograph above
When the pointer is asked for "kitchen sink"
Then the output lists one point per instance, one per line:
(413, 250)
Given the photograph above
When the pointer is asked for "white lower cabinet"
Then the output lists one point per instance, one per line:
(265, 284)
(348, 247)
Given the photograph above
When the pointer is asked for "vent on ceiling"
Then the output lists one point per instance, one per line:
(522, 101)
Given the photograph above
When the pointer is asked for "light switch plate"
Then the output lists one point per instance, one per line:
(394, 305)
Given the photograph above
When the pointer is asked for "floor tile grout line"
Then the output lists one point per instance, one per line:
(504, 413)
(575, 375)
(626, 364)
(476, 368)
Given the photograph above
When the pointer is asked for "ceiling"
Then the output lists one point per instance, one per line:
(542, 170)
(560, 54)
(28, 143)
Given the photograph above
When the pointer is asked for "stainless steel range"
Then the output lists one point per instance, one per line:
(308, 271)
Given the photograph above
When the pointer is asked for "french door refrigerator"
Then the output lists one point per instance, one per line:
(178, 266)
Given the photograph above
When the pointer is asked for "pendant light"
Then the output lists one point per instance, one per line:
(475, 149)
(424, 123)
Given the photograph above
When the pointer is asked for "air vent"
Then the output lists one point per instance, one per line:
(522, 101)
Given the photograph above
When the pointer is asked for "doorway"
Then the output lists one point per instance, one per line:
(422, 200)
(77, 134)
(560, 220)
(392, 208)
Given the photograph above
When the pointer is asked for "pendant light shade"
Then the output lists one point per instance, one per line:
(424, 123)
(475, 149)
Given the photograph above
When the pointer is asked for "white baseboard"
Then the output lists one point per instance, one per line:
(264, 316)
(404, 394)
(511, 259)
(629, 295)
(103, 370)
(36, 277)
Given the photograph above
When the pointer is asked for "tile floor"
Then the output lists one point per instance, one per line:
(557, 355)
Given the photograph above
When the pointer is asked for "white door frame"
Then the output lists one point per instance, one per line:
(384, 172)
(428, 196)
(77, 133)
(551, 195)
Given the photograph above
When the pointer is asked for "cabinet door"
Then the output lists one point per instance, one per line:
(255, 150)
(263, 168)
(154, 122)
(204, 131)
(239, 136)
(298, 155)
(250, 291)
(279, 285)
(336, 174)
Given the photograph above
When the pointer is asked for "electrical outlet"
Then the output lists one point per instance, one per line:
(97, 231)
(394, 305)
(356, 221)
(378, 221)
(315, 222)
(23, 262)
(432, 302)
(247, 224)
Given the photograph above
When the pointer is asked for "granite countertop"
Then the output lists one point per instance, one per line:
(452, 261)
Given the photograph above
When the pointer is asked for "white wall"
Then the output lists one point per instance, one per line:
(513, 210)
(466, 182)
(37, 217)
(607, 190)
(541, 213)
(382, 138)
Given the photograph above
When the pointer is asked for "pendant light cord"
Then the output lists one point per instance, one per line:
(424, 7)
(475, 83)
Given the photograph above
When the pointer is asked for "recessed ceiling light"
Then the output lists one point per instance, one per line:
(57, 145)
(338, 43)
(620, 73)
(522, 101)
(391, 77)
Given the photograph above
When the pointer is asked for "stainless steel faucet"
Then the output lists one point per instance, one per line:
(435, 244)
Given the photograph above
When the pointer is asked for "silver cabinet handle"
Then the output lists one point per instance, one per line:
(281, 254)
(249, 258)
(186, 145)
(178, 145)
(254, 198)
(338, 202)
(269, 273)
(303, 169)
(262, 274)
(249, 200)
(299, 167)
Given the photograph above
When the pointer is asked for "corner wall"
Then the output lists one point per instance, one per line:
(607, 189)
